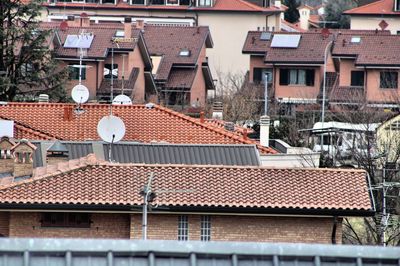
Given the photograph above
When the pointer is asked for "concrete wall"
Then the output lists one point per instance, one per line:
(165, 227)
(372, 23)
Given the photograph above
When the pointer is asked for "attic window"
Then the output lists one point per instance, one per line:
(120, 34)
(184, 53)
(355, 39)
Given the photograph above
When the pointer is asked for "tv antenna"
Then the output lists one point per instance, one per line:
(122, 99)
(149, 195)
(111, 129)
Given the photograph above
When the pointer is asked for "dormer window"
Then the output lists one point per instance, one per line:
(184, 53)
(205, 3)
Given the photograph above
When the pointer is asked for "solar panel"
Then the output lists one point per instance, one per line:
(265, 36)
(285, 41)
(78, 41)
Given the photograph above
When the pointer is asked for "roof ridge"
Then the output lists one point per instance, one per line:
(255, 7)
(35, 131)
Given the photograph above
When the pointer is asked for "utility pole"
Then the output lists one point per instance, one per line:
(148, 196)
(266, 94)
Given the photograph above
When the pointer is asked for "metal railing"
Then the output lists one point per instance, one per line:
(74, 252)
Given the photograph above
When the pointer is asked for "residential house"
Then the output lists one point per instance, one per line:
(368, 70)
(311, 16)
(292, 63)
(229, 21)
(382, 14)
(126, 65)
(181, 69)
(388, 140)
(90, 198)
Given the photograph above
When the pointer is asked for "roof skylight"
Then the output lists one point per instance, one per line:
(355, 39)
(120, 33)
(184, 52)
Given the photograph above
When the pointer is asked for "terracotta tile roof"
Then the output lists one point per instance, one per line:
(342, 94)
(220, 6)
(221, 124)
(168, 41)
(101, 183)
(142, 124)
(102, 42)
(294, 26)
(181, 78)
(379, 8)
(373, 49)
(310, 50)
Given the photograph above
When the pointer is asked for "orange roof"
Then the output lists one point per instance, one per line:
(382, 7)
(143, 124)
(321, 191)
(220, 5)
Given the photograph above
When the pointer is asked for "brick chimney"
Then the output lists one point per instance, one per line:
(6, 159)
(264, 130)
(23, 158)
(85, 20)
(128, 27)
(57, 153)
(82, 20)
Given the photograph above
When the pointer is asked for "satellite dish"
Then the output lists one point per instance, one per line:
(122, 100)
(80, 94)
(111, 129)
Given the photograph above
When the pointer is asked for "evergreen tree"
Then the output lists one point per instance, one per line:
(334, 13)
(292, 15)
(27, 65)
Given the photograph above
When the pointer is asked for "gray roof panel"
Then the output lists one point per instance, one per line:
(184, 154)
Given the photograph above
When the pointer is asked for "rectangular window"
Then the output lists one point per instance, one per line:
(259, 75)
(205, 2)
(157, 2)
(297, 77)
(107, 71)
(74, 72)
(357, 78)
(389, 80)
(183, 228)
(173, 2)
(108, 2)
(397, 5)
(137, 2)
(61, 219)
(205, 228)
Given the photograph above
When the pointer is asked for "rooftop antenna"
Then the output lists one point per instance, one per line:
(111, 129)
(122, 99)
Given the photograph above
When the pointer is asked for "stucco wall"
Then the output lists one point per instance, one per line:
(372, 23)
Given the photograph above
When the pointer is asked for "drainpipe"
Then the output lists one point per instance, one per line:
(335, 222)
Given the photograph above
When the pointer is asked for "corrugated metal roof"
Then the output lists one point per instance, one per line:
(184, 154)
(86, 252)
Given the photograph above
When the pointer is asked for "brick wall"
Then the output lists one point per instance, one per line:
(242, 228)
(4, 223)
(27, 224)
(165, 227)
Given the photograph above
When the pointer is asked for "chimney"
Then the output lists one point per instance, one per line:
(6, 160)
(57, 153)
(218, 109)
(23, 158)
(140, 24)
(201, 117)
(245, 133)
(128, 27)
(278, 3)
(85, 20)
(68, 113)
(264, 130)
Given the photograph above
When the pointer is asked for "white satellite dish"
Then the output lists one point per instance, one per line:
(122, 100)
(111, 129)
(80, 94)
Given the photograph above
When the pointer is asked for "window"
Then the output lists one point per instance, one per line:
(137, 2)
(119, 33)
(107, 71)
(205, 2)
(108, 1)
(74, 72)
(397, 5)
(157, 2)
(60, 219)
(183, 228)
(259, 75)
(173, 2)
(355, 39)
(389, 80)
(184, 53)
(205, 228)
(297, 77)
(357, 78)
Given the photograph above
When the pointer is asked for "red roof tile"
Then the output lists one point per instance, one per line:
(168, 41)
(373, 49)
(382, 7)
(142, 124)
(102, 183)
